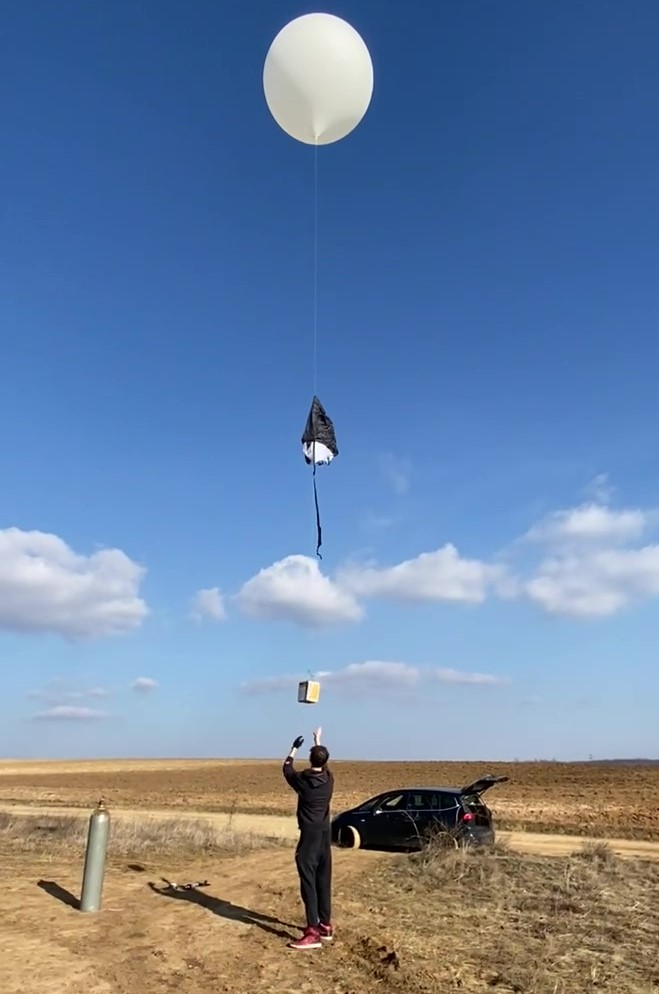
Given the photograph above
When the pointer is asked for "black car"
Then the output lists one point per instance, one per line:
(409, 817)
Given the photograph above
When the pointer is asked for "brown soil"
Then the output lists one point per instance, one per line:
(579, 799)
(444, 922)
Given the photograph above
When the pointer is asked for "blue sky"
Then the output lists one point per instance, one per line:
(488, 305)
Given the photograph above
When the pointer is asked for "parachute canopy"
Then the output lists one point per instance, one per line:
(319, 448)
(319, 439)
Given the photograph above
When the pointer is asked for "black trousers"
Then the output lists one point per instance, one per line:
(313, 858)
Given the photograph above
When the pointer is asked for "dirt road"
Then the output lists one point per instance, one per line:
(276, 826)
(228, 938)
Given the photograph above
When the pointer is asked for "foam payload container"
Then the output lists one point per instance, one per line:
(308, 692)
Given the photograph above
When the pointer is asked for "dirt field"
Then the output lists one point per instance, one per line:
(575, 799)
(465, 922)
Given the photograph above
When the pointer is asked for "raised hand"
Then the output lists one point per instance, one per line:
(316, 736)
(298, 742)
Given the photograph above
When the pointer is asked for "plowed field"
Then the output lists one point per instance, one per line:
(579, 799)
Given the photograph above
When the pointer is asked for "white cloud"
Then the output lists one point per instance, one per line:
(442, 575)
(144, 684)
(64, 712)
(45, 587)
(397, 472)
(294, 589)
(373, 673)
(592, 566)
(208, 604)
(468, 679)
(587, 564)
(376, 676)
(596, 584)
(595, 523)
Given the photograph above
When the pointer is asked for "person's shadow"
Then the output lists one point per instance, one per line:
(227, 910)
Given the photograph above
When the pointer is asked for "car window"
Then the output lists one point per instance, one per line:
(472, 802)
(431, 800)
(448, 801)
(371, 804)
(423, 800)
(393, 802)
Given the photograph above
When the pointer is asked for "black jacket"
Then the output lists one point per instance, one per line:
(314, 794)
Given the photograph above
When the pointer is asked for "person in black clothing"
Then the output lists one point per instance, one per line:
(313, 857)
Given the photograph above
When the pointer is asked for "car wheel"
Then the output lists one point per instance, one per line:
(349, 837)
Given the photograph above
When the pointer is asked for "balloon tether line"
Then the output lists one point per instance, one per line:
(315, 269)
(319, 532)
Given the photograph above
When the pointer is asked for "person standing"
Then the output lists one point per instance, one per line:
(313, 856)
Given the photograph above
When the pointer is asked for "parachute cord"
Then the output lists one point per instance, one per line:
(319, 531)
(315, 270)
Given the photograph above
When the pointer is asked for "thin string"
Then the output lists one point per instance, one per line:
(315, 269)
(319, 532)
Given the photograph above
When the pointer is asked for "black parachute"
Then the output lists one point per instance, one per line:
(319, 448)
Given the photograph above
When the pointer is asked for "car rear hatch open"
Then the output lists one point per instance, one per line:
(480, 786)
(476, 813)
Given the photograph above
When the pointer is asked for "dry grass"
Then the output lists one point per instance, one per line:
(612, 800)
(61, 835)
(438, 922)
(481, 920)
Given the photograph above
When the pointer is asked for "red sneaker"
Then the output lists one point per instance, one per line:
(326, 932)
(310, 940)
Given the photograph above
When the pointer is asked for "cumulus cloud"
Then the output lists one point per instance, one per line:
(46, 587)
(377, 676)
(595, 584)
(442, 575)
(144, 685)
(579, 562)
(594, 523)
(66, 712)
(592, 565)
(208, 604)
(294, 589)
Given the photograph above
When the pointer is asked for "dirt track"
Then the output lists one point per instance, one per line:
(277, 826)
(228, 938)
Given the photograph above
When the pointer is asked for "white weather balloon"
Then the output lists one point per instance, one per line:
(318, 78)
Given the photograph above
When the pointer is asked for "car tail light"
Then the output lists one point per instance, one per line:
(468, 816)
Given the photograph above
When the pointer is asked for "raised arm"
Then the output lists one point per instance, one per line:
(288, 768)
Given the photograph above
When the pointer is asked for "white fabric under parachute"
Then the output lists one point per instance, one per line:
(316, 452)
